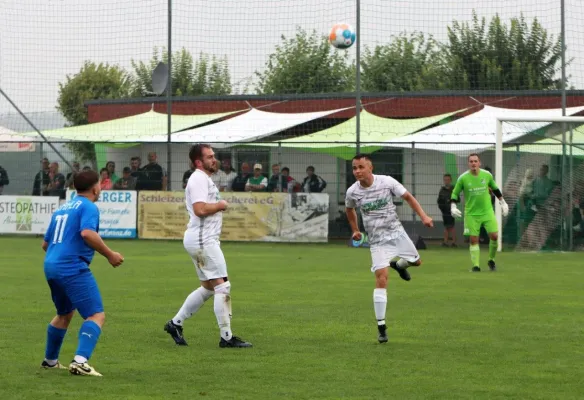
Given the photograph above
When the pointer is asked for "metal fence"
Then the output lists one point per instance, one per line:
(542, 216)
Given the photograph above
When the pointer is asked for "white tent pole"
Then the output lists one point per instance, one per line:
(499, 179)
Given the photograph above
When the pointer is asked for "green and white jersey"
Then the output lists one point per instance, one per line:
(377, 208)
(477, 199)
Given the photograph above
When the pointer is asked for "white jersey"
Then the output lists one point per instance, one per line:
(202, 231)
(377, 208)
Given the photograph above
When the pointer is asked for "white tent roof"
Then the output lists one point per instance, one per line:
(253, 125)
(7, 135)
(476, 132)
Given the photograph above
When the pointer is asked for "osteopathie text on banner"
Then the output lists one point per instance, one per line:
(26, 214)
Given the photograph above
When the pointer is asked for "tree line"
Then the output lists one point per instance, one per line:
(477, 55)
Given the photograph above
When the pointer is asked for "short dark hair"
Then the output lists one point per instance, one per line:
(473, 155)
(286, 169)
(447, 175)
(127, 169)
(85, 180)
(310, 168)
(196, 152)
(362, 156)
(136, 158)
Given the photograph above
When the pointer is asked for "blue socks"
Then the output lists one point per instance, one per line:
(55, 338)
(88, 336)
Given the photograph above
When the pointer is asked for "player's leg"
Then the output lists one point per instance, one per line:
(445, 234)
(380, 258)
(193, 302)
(450, 229)
(216, 270)
(472, 228)
(84, 293)
(58, 326)
(492, 229)
(408, 256)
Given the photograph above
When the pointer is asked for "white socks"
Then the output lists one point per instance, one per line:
(403, 263)
(380, 304)
(192, 304)
(222, 308)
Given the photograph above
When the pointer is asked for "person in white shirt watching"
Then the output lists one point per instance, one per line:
(201, 241)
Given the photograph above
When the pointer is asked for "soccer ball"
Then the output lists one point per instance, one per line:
(342, 36)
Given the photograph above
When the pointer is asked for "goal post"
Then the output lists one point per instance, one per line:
(499, 155)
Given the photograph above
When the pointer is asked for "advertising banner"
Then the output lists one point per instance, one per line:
(26, 214)
(117, 213)
(278, 217)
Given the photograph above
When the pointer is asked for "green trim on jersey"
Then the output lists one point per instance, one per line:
(477, 199)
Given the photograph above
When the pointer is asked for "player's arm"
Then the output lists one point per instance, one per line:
(497, 192)
(95, 241)
(88, 229)
(203, 209)
(350, 205)
(415, 205)
(198, 193)
(454, 198)
(48, 235)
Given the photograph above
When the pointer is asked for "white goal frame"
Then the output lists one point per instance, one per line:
(499, 155)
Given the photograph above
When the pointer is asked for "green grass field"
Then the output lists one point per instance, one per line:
(514, 334)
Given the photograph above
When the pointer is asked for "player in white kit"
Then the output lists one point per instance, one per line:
(388, 240)
(201, 241)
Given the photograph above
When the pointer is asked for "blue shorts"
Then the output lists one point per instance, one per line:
(75, 292)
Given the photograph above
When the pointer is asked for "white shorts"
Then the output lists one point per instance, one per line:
(209, 261)
(401, 247)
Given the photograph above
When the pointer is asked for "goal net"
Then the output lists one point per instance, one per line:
(542, 179)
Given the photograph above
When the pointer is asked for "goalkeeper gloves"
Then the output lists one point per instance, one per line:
(504, 207)
(455, 211)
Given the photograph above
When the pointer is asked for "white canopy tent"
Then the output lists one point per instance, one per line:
(477, 132)
(251, 126)
(11, 141)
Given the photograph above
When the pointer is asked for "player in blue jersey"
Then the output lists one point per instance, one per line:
(70, 243)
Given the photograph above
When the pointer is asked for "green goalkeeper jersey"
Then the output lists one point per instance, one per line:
(477, 199)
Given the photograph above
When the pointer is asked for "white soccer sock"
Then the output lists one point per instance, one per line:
(80, 359)
(403, 263)
(222, 308)
(194, 301)
(380, 304)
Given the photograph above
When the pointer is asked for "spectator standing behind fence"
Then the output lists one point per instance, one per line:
(127, 181)
(542, 187)
(275, 183)
(152, 175)
(444, 196)
(57, 181)
(105, 183)
(188, 174)
(289, 184)
(111, 169)
(4, 181)
(257, 182)
(229, 172)
(240, 180)
(71, 175)
(219, 178)
(313, 183)
(42, 180)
